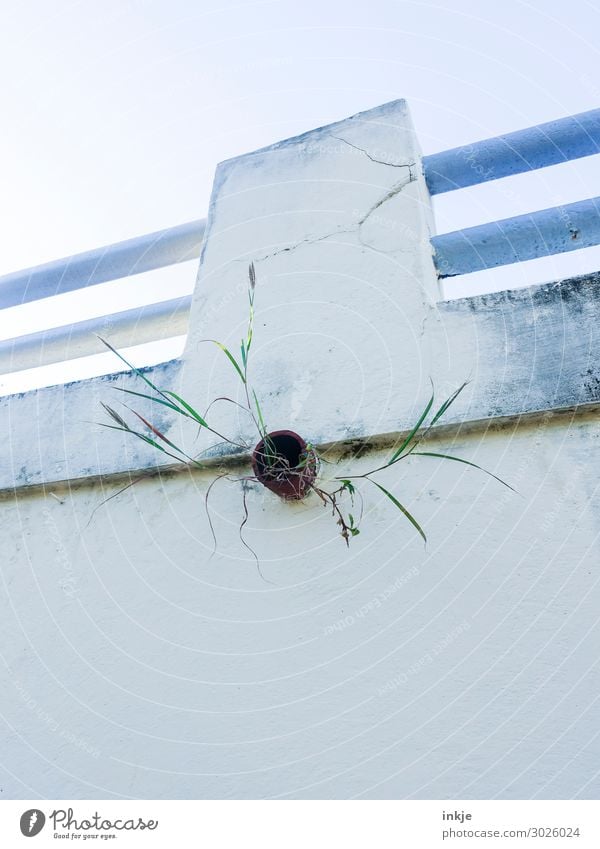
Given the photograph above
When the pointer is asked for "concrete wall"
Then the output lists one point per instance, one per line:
(137, 664)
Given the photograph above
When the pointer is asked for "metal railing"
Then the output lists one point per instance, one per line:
(515, 153)
(538, 234)
(148, 323)
(541, 233)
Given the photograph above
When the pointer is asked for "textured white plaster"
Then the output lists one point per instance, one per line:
(467, 669)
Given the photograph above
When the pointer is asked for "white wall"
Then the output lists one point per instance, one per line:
(138, 665)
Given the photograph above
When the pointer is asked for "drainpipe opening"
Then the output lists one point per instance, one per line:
(285, 464)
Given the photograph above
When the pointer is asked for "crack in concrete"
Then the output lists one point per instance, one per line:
(310, 241)
(428, 311)
(396, 189)
(372, 158)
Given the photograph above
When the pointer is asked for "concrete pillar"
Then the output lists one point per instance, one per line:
(338, 223)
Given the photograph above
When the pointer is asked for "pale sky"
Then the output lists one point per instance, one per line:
(115, 114)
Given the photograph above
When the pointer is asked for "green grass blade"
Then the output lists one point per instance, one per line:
(123, 426)
(447, 403)
(155, 444)
(261, 420)
(141, 436)
(168, 404)
(115, 416)
(115, 427)
(460, 460)
(401, 507)
(195, 415)
(158, 433)
(251, 288)
(130, 366)
(396, 455)
(231, 359)
(152, 386)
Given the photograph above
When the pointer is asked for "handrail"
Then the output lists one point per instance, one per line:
(538, 234)
(514, 153)
(123, 259)
(149, 323)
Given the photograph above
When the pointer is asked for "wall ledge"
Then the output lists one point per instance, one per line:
(536, 352)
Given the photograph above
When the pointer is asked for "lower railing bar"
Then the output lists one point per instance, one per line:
(149, 323)
(538, 234)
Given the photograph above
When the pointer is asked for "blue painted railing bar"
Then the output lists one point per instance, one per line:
(123, 259)
(514, 153)
(148, 323)
(538, 234)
